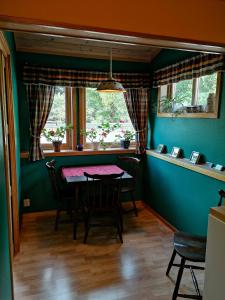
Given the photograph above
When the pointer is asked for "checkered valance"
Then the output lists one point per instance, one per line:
(77, 78)
(194, 67)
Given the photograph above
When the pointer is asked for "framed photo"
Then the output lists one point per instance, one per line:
(176, 152)
(161, 148)
(195, 157)
(219, 167)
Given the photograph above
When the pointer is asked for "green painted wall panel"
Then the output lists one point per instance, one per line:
(181, 196)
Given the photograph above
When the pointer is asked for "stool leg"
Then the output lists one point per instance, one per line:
(134, 204)
(171, 262)
(179, 276)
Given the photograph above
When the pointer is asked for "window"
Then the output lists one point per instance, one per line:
(94, 109)
(191, 98)
(60, 115)
(110, 108)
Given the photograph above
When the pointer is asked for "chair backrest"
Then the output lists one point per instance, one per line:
(222, 197)
(130, 164)
(102, 191)
(50, 165)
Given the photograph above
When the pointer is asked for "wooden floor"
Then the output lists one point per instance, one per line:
(53, 266)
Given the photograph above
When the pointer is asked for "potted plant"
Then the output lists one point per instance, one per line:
(56, 136)
(91, 135)
(105, 129)
(125, 137)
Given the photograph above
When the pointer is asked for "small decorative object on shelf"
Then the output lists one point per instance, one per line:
(210, 103)
(210, 164)
(80, 147)
(195, 157)
(176, 152)
(219, 168)
(56, 135)
(161, 148)
(194, 108)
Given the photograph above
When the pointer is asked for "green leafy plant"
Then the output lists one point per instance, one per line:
(126, 135)
(167, 105)
(56, 135)
(90, 134)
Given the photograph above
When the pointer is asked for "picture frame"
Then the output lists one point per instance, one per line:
(219, 167)
(176, 152)
(195, 157)
(161, 148)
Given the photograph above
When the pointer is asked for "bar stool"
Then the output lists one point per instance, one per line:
(191, 248)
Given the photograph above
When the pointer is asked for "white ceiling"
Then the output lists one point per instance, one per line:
(84, 47)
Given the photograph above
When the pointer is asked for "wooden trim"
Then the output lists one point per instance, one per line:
(218, 212)
(83, 153)
(185, 163)
(164, 221)
(74, 117)
(13, 167)
(3, 45)
(64, 29)
(82, 114)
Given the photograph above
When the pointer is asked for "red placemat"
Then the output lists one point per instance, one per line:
(101, 169)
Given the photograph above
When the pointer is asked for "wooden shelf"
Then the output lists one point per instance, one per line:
(48, 153)
(185, 163)
(218, 212)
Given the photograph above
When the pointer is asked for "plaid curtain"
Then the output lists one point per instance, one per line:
(194, 67)
(80, 79)
(137, 106)
(40, 99)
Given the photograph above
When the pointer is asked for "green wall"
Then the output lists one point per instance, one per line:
(181, 196)
(34, 177)
(10, 40)
(5, 276)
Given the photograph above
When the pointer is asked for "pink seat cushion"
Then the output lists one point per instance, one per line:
(101, 169)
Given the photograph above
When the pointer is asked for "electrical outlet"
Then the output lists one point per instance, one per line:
(26, 202)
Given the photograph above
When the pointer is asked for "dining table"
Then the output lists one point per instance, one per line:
(75, 174)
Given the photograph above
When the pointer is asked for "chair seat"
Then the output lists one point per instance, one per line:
(190, 247)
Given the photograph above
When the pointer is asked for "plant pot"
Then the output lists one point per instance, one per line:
(125, 144)
(95, 146)
(57, 146)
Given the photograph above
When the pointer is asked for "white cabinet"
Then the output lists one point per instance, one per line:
(214, 287)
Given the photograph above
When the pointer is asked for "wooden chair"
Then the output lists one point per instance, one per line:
(191, 248)
(131, 165)
(64, 196)
(101, 203)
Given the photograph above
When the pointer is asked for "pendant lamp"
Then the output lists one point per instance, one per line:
(110, 85)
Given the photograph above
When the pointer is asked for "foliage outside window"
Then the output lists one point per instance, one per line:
(190, 98)
(103, 112)
(58, 118)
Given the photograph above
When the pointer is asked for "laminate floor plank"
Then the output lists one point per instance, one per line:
(51, 266)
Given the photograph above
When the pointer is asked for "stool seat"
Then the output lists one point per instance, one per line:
(190, 247)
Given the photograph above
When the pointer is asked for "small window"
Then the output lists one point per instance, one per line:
(191, 98)
(110, 108)
(59, 116)
(206, 90)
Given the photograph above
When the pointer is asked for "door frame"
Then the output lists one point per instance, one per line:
(13, 217)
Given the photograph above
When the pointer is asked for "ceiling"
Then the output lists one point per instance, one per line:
(84, 47)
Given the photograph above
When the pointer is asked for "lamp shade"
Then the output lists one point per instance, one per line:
(110, 86)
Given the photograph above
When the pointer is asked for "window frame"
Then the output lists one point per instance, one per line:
(195, 86)
(71, 135)
(82, 124)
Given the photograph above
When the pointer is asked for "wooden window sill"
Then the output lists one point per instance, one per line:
(185, 163)
(51, 153)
